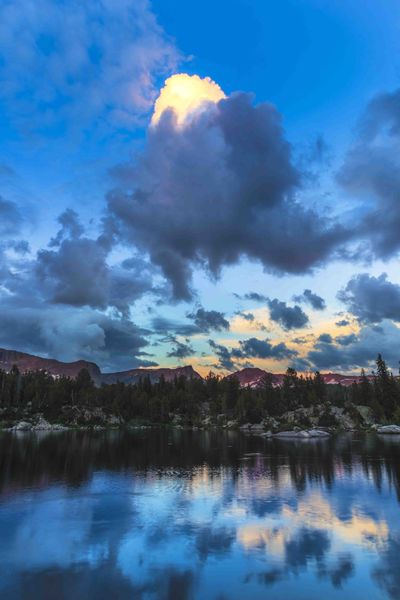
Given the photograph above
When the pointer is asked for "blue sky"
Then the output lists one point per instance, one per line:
(136, 244)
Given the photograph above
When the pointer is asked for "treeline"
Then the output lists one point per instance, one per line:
(192, 400)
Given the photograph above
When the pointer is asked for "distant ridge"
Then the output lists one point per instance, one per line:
(253, 377)
(29, 362)
(248, 377)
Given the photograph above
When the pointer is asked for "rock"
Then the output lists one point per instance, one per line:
(43, 425)
(231, 424)
(287, 434)
(245, 427)
(389, 429)
(22, 426)
(257, 427)
(365, 413)
(304, 434)
(318, 433)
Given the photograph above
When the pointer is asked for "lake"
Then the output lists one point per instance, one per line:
(205, 514)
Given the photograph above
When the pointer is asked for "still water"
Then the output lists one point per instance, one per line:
(201, 515)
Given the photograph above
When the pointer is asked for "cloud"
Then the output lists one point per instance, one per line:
(326, 338)
(164, 326)
(76, 271)
(80, 63)
(358, 351)
(207, 320)
(250, 348)
(219, 189)
(309, 297)
(255, 348)
(346, 340)
(255, 296)
(69, 333)
(372, 299)
(287, 316)
(246, 316)
(223, 355)
(180, 350)
(371, 172)
(10, 218)
(60, 303)
(342, 323)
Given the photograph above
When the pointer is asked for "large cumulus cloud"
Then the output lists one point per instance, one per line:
(221, 188)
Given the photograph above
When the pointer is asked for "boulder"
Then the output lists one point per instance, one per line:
(303, 434)
(318, 433)
(389, 429)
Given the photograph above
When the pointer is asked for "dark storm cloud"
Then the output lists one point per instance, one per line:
(221, 188)
(309, 297)
(372, 299)
(358, 351)
(288, 317)
(371, 172)
(207, 320)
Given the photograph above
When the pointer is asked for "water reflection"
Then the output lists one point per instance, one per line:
(198, 515)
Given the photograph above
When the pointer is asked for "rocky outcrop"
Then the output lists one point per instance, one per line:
(22, 426)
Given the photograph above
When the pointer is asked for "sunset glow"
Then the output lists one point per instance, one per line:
(186, 95)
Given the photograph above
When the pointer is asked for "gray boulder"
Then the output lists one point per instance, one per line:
(389, 429)
(303, 434)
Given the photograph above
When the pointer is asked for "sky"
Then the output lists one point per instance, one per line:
(214, 184)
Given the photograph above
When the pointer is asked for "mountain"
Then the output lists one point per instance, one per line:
(28, 362)
(134, 375)
(247, 377)
(253, 377)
